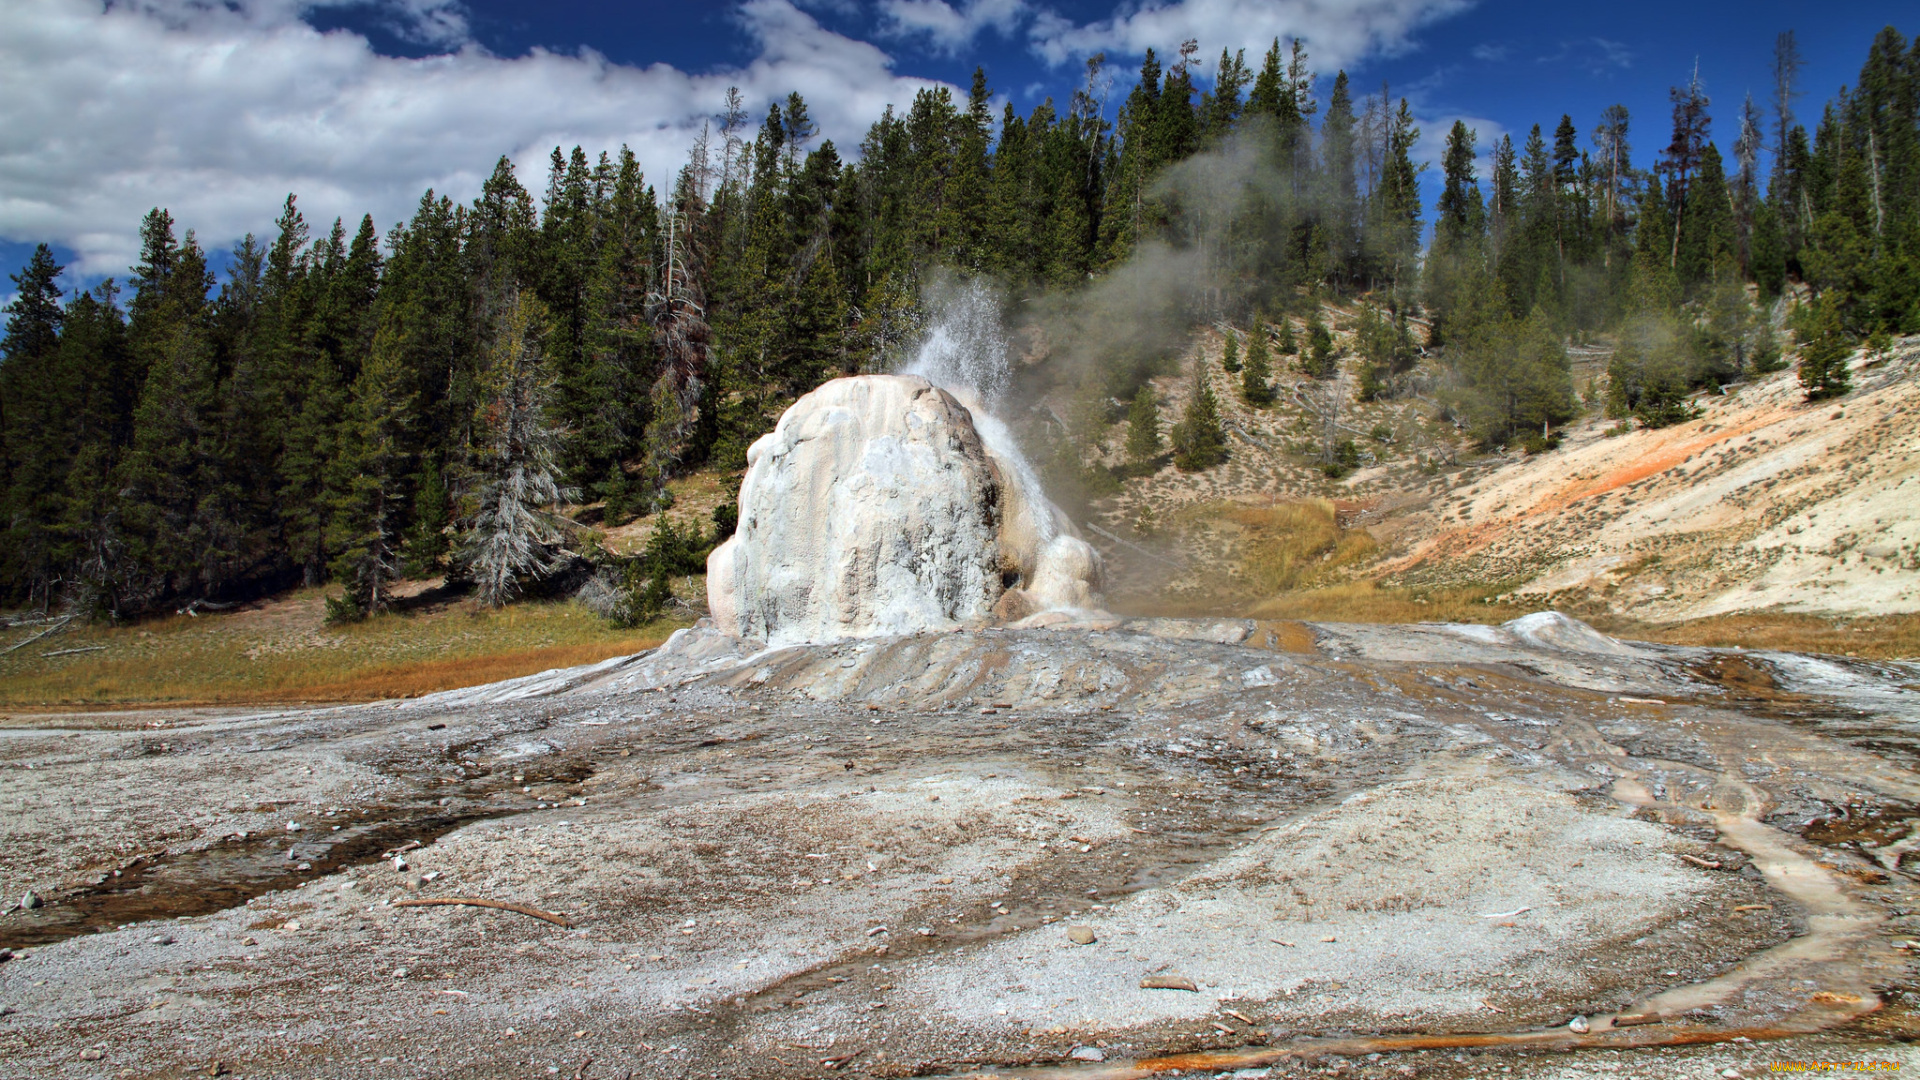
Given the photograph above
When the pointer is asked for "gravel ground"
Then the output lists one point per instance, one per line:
(882, 858)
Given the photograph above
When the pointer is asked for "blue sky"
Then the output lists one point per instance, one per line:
(359, 105)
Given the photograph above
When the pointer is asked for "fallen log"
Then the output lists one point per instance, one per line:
(61, 625)
(474, 901)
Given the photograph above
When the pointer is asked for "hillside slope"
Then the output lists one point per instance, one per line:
(1764, 501)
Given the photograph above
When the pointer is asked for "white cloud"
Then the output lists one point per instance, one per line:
(1337, 32)
(949, 28)
(217, 111)
(837, 7)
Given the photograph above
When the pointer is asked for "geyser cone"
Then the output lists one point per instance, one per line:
(875, 508)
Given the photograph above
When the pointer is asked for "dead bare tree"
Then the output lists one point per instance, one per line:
(1610, 142)
(678, 313)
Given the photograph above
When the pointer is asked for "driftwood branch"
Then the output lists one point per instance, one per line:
(55, 628)
(497, 905)
(70, 652)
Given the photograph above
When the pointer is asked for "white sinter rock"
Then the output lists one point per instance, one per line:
(875, 508)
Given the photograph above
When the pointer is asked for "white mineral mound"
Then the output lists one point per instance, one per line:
(875, 508)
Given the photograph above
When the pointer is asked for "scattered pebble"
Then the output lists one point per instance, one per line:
(31, 900)
(1168, 982)
(1080, 935)
(160, 939)
(1579, 1026)
(92, 1055)
(1087, 1053)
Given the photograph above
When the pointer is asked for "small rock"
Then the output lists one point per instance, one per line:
(1579, 1026)
(160, 939)
(1087, 1053)
(400, 973)
(1730, 1074)
(1080, 935)
(293, 826)
(218, 1068)
(92, 1055)
(5, 955)
(6, 1010)
(400, 864)
(1168, 982)
(248, 941)
(31, 900)
(291, 924)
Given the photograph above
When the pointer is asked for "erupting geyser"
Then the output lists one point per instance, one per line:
(889, 504)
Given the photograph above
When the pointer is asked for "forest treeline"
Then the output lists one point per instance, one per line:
(352, 407)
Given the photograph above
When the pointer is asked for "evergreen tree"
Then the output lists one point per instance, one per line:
(36, 437)
(1256, 374)
(1766, 348)
(1230, 353)
(170, 538)
(98, 367)
(368, 519)
(1143, 431)
(33, 318)
(1319, 361)
(1199, 442)
(1458, 232)
(1393, 212)
(1517, 380)
(619, 350)
(1709, 248)
(1824, 351)
(1341, 184)
(511, 535)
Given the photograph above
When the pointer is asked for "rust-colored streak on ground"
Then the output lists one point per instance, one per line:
(1468, 539)
(1254, 1057)
(1283, 635)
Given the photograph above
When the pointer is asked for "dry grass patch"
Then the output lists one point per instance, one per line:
(1293, 544)
(1882, 637)
(1369, 602)
(281, 650)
